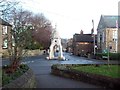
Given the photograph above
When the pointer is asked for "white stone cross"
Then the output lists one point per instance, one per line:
(55, 46)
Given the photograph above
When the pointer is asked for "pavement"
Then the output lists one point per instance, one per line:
(42, 70)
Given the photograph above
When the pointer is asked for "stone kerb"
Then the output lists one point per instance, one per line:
(104, 81)
(27, 80)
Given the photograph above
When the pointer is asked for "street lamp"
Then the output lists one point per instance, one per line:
(93, 37)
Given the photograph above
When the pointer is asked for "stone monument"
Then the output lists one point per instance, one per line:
(55, 50)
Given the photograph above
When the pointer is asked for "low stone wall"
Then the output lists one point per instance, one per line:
(27, 80)
(5, 53)
(100, 80)
(35, 52)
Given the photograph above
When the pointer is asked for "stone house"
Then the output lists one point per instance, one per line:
(107, 32)
(5, 36)
(83, 44)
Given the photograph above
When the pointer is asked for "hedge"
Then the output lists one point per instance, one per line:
(113, 56)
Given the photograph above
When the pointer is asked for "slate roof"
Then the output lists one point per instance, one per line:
(108, 21)
(82, 38)
(2, 22)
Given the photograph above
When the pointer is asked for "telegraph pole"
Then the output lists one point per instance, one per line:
(108, 47)
(93, 37)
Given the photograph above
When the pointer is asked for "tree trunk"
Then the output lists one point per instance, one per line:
(13, 67)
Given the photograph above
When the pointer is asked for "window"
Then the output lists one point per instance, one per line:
(84, 43)
(13, 42)
(98, 38)
(115, 34)
(110, 47)
(5, 43)
(55, 40)
(4, 29)
(103, 37)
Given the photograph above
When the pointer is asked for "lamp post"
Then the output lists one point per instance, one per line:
(93, 37)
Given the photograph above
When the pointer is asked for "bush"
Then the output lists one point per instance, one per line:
(34, 45)
(98, 56)
(7, 77)
(113, 56)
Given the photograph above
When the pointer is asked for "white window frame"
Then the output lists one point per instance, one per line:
(13, 42)
(98, 37)
(115, 34)
(4, 30)
(5, 44)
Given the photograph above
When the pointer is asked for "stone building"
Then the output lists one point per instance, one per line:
(83, 44)
(107, 32)
(5, 36)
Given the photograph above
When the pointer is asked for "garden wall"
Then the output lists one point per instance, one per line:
(35, 52)
(27, 80)
(100, 80)
(29, 53)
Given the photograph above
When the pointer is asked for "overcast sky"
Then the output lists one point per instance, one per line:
(72, 16)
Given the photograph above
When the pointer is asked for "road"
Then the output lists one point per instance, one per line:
(42, 70)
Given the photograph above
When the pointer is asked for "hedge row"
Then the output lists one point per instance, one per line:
(113, 56)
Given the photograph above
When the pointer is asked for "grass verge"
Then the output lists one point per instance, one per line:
(111, 71)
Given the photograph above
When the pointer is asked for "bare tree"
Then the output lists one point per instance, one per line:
(6, 6)
(22, 32)
(42, 31)
(22, 36)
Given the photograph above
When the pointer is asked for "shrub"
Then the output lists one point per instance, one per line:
(34, 45)
(7, 77)
(113, 56)
(98, 55)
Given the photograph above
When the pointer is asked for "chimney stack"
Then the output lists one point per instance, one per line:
(81, 32)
